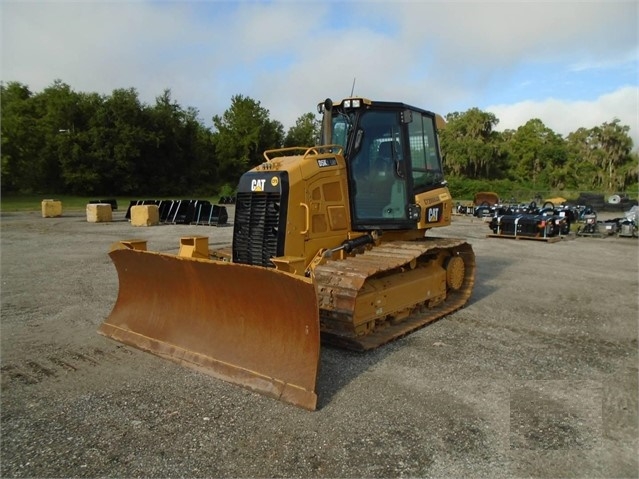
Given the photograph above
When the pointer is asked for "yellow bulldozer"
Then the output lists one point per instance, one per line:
(329, 245)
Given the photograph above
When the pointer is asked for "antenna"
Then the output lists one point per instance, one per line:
(353, 87)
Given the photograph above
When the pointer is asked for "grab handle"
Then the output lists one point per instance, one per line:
(307, 217)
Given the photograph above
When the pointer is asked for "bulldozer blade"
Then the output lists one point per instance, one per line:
(252, 326)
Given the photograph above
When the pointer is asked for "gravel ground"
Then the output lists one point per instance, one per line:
(535, 377)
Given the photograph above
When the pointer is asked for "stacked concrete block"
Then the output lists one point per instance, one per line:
(51, 208)
(99, 213)
(145, 215)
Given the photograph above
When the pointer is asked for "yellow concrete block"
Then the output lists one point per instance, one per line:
(145, 215)
(99, 213)
(51, 208)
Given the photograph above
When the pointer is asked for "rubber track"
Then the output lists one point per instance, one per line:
(339, 281)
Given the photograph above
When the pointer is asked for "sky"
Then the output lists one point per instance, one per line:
(571, 64)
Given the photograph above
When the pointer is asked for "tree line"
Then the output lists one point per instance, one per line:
(534, 157)
(66, 142)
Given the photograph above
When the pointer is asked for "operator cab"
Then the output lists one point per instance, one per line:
(392, 154)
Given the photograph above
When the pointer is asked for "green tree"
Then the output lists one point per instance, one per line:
(616, 145)
(242, 134)
(19, 145)
(200, 158)
(100, 154)
(601, 157)
(537, 153)
(582, 161)
(305, 132)
(32, 130)
(469, 145)
(165, 155)
(61, 141)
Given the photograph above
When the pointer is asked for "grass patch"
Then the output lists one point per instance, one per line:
(11, 203)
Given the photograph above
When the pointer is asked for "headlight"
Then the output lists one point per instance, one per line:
(352, 103)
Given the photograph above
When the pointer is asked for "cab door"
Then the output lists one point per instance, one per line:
(379, 183)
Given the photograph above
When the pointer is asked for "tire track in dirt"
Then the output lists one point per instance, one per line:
(34, 371)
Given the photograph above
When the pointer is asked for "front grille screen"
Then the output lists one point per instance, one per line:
(256, 228)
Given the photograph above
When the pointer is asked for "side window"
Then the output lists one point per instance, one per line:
(340, 131)
(427, 170)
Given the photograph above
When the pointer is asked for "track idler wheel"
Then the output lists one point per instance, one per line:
(455, 272)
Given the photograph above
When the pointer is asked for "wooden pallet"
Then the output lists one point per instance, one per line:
(548, 239)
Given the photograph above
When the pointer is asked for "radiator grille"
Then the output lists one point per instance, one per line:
(256, 228)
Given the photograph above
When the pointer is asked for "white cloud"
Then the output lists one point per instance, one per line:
(90, 46)
(442, 56)
(564, 117)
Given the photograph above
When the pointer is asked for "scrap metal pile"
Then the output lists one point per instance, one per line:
(186, 212)
(625, 226)
(550, 222)
(531, 221)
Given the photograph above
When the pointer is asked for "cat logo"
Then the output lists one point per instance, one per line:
(433, 214)
(257, 185)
